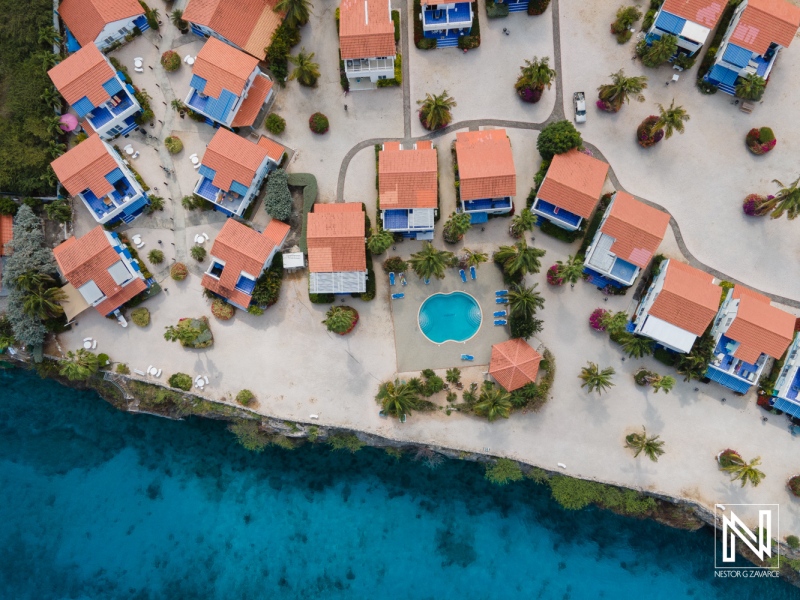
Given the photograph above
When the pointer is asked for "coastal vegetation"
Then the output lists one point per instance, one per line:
(651, 446)
(503, 471)
(191, 333)
(79, 365)
(249, 435)
(345, 441)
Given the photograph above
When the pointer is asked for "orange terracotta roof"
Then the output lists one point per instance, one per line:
(574, 182)
(702, 12)
(242, 249)
(87, 18)
(247, 23)
(764, 22)
(251, 106)
(514, 364)
(689, 298)
(88, 259)
(83, 74)
(759, 327)
(336, 238)
(6, 233)
(365, 29)
(233, 158)
(637, 229)
(392, 146)
(85, 166)
(274, 149)
(485, 164)
(424, 144)
(223, 67)
(407, 178)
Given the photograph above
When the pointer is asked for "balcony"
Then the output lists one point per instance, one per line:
(369, 64)
(487, 205)
(605, 262)
(198, 101)
(559, 216)
(228, 202)
(408, 220)
(114, 107)
(460, 16)
(245, 285)
(725, 361)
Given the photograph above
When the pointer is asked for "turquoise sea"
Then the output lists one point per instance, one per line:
(101, 504)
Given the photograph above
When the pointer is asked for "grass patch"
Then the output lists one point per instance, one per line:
(558, 232)
(309, 184)
(396, 21)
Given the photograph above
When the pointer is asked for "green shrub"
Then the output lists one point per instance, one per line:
(277, 55)
(468, 42)
(173, 144)
(123, 369)
(321, 298)
(156, 203)
(396, 21)
(496, 11)
(557, 138)
(198, 253)
(275, 124)
(345, 441)
(249, 435)
(318, 123)
(8, 206)
(427, 44)
(395, 264)
(309, 184)
(222, 310)
(181, 381)
(559, 232)
(178, 271)
(155, 256)
(245, 397)
(503, 471)
(102, 360)
(140, 317)
(664, 356)
(278, 200)
(170, 60)
(793, 542)
(537, 7)
(766, 135)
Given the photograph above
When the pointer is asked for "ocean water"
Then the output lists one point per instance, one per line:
(101, 504)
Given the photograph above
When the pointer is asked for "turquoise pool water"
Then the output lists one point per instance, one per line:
(453, 317)
(103, 505)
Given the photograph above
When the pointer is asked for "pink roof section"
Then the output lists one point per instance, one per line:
(336, 238)
(637, 229)
(86, 19)
(233, 158)
(764, 22)
(702, 12)
(365, 29)
(85, 166)
(223, 67)
(485, 164)
(514, 364)
(83, 74)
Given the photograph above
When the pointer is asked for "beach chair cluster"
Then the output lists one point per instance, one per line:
(393, 279)
(500, 297)
(473, 274)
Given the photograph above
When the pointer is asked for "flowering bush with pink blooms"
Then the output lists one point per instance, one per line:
(646, 135)
(760, 141)
(606, 106)
(756, 205)
(596, 319)
(553, 277)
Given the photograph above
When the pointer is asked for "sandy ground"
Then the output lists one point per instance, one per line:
(297, 368)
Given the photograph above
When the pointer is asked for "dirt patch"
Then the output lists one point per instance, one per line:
(296, 220)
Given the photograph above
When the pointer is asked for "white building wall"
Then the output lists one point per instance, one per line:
(115, 31)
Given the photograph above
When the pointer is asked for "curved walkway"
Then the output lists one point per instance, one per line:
(556, 115)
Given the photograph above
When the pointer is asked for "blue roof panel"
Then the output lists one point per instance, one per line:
(736, 55)
(218, 109)
(112, 86)
(239, 188)
(207, 172)
(723, 75)
(135, 205)
(787, 406)
(729, 381)
(83, 107)
(670, 23)
(198, 83)
(115, 176)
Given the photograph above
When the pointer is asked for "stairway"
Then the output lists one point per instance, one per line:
(448, 42)
(518, 7)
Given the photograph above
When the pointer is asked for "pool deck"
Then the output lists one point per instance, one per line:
(416, 352)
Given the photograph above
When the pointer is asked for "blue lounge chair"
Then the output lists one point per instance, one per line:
(467, 357)
(500, 322)
(463, 275)
(391, 278)
(500, 313)
(473, 273)
(398, 296)
(501, 300)
(501, 293)
(427, 282)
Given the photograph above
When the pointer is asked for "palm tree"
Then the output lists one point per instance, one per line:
(397, 399)
(636, 346)
(671, 119)
(43, 303)
(53, 125)
(56, 149)
(522, 222)
(571, 270)
(494, 403)
(32, 280)
(519, 258)
(639, 442)
(787, 200)
(177, 104)
(435, 110)
(746, 472)
(474, 258)
(457, 225)
(47, 59)
(297, 11)
(340, 319)
(595, 379)
(48, 36)
(692, 366)
(535, 76)
(183, 333)
(660, 51)
(622, 88)
(523, 302)
(430, 262)
(177, 19)
(79, 365)
(751, 87)
(453, 375)
(51, 97)
(665, 382)
(305, 71)
(380, 241)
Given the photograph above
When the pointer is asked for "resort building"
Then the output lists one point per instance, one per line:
(101, 22)
(232, 170)
(747, 331)
(239, 256)
(337, 254)
(100, 271)
(786, 395)
(96, 92)
(570, 190)
(514, 364)
(246, 25)
(691, 21)
(755, 36)
(628, 237)
(408, 189)
(227, 87)
(445, 22)
(679, 306)
(366, 42)
(486, 174)
(94, 172)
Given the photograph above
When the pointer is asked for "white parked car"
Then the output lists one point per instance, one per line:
(579, 102)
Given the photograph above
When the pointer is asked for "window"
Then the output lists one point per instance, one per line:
(108, 40)
(381, 76)
(124, 31)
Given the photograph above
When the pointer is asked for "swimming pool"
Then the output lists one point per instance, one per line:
(454, 317)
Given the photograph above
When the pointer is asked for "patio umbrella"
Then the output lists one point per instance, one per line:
(514, 364)
(69, 122)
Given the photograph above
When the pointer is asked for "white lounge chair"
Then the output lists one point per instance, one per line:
(94, 344)
(138, 372)
(205, 378)
(87, 339)
(150, 370)
(158, 373)
(135, 154)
